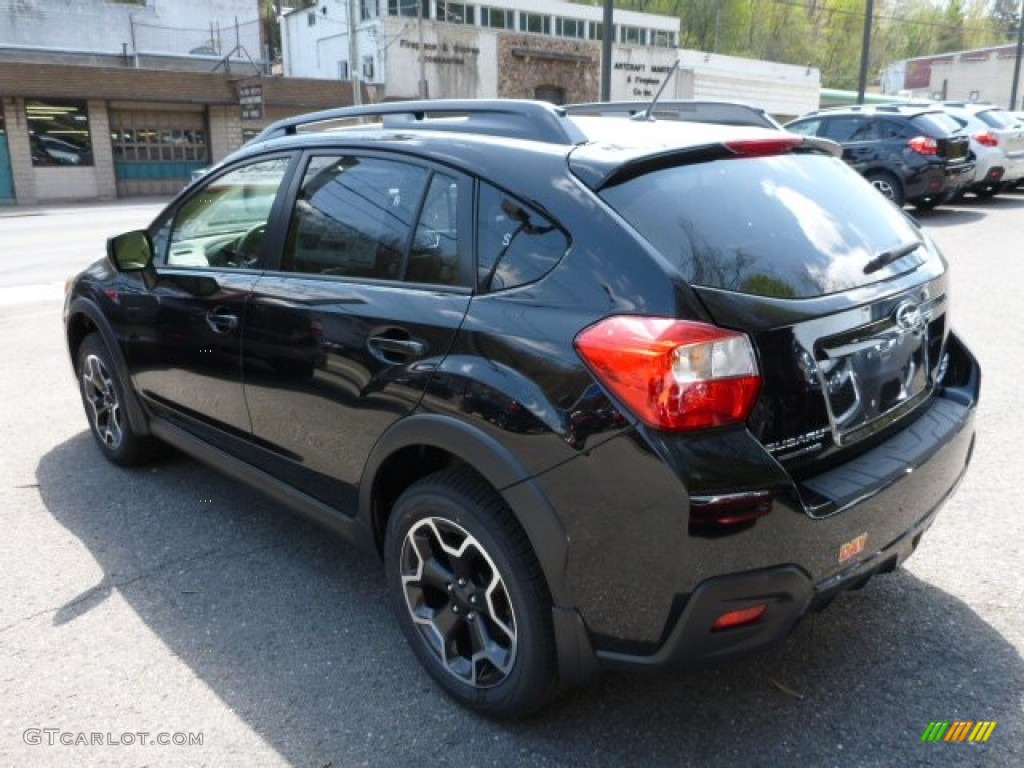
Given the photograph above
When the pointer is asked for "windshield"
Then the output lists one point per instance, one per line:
(792, 226)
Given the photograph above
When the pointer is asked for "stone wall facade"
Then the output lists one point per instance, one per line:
(532, 66)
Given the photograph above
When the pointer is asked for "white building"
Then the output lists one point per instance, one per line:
(522, 49)
(982, 74)
(204, 30)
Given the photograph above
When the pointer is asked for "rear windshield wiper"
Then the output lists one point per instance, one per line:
(888, 257)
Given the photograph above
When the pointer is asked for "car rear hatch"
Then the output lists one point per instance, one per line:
(1010, 134)
(952, 142)
(843, 297)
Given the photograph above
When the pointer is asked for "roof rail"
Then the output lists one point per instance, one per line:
(514, 118)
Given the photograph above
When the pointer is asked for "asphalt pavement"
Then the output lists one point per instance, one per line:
(169, 603)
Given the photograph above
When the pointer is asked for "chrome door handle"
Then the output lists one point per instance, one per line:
(398, 346)
(220, 321)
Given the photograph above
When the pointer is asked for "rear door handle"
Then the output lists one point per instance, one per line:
(221, 321)
(387, 348)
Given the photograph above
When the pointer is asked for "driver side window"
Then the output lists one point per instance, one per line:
(223, 223)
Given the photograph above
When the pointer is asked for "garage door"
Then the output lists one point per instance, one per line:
(155, 151)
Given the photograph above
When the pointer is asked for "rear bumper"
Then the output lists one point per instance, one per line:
(646, 593)
(788, 593)
(939, 181)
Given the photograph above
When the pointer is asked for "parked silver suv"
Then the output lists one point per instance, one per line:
(997, 141)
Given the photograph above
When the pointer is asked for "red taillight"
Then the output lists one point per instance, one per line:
(986, 139)
(673, 374)
(762, 147)
(924, 145)
(739, 618)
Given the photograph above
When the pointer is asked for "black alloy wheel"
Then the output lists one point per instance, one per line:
(470, 596)
(103, 398)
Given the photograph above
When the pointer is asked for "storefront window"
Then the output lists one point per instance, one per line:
(59, 132)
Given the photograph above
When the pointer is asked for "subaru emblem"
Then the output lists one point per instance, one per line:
(909, 317)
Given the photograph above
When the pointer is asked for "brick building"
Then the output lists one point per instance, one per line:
(86, 115)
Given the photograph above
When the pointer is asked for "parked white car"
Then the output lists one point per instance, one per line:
(997, 141)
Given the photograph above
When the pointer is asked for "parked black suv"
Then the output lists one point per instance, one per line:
(910, 153)
(599, 393)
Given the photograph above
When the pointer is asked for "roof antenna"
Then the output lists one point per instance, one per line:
(646, 114)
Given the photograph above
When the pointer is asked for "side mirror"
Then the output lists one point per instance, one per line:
(130, 252)
(133, 252)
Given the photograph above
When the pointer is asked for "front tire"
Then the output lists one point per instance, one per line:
(103, 397)
(470, 596)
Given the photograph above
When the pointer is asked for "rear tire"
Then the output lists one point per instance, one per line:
(888, 185)
(470, 596)
(103, 396)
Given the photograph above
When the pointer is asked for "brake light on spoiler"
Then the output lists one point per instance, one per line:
(775, 145)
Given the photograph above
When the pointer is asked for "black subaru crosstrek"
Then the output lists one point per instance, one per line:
(910, 153)
(599, 392)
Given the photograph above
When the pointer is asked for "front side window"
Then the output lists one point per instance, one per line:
(354, 217)
(843, 128)
(515, 244)
(59, 133)
(223, 223)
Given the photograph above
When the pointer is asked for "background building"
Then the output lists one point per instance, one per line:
(521, 49)
(103, 99)
(984, 74)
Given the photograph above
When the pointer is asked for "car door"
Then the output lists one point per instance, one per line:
(340, 340)
(858, 136)
(183, 342)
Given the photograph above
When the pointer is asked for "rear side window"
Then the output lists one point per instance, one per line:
(890, 129)
(791, 226)
(354, 217)
(516, 245)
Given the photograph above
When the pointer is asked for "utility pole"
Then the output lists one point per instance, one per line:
(1016, 62)
(865, 51)
(353, 55)
(423, 61)
(607, 31)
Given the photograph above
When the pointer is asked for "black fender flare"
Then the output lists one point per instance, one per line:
(496, 464)
(133, 407)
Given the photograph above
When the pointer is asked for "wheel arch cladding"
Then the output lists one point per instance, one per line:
(421, 444)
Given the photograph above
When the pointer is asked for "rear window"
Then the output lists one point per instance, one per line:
(995, 118)
(935, 124)
(791, 226)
